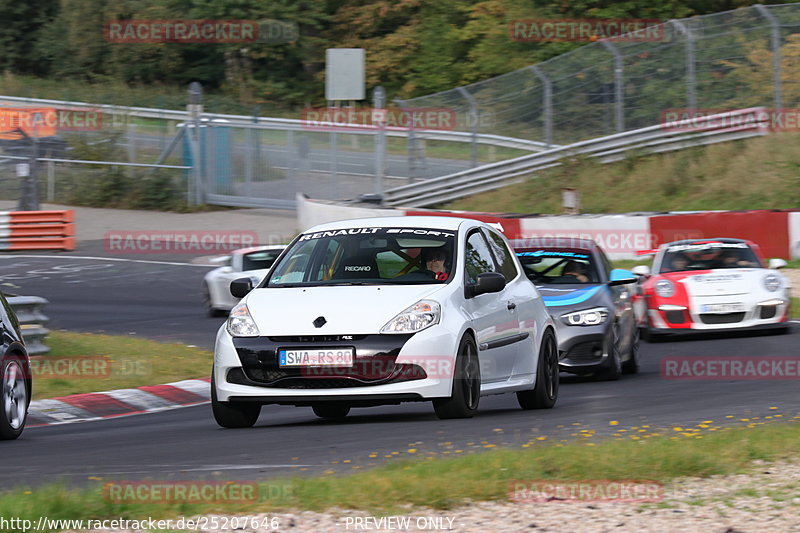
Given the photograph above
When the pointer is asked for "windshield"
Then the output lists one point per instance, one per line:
(708, 256)
(259, 260)
(367, 256)
(559, 266)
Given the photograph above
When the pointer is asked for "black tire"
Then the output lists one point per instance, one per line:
(14, 398)
(545, 394)
(613, 367)
(331, 410)
(210, 311)
(466, 395)
(233, 414)
(631, 366)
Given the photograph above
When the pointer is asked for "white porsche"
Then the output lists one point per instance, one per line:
(386, 310)
(712, 284)
(253, 262)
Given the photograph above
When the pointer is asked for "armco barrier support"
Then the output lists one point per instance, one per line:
(37, 230)
(32, 321)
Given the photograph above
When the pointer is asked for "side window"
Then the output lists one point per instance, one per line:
(504, 258)
(606, 263)
(478, 257)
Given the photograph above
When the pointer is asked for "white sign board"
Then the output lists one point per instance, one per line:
(344, 74)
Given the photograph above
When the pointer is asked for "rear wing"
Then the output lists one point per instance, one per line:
(646, 252)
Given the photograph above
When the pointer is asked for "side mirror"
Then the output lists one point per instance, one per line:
(777, 263)
(641, 270)
(619, 276)
(240, 287)
(486, 283)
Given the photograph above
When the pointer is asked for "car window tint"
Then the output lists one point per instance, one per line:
(606, 263)
(478, 257)
(330, 261)
(504, 258)
(293, 269)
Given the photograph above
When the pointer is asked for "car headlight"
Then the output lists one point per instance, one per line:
(419, 316)
(772, 282)
(587, 317)
(665, 288)
(240, 323)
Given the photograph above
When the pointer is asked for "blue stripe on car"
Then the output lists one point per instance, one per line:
(574, 297)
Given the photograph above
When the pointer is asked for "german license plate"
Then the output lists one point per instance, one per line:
(722, 308)
(316, 357)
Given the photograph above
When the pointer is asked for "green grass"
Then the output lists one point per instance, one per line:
(112, 362)
(448, 483)
(759, 173)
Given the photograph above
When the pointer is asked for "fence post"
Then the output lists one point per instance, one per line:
(472, 117)
(547, 103)
(691, 90)
(411, 145)
(379, 105)
(776, 54)
(619, 88)
(195, 109)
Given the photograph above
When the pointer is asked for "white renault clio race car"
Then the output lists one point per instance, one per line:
(386, 310)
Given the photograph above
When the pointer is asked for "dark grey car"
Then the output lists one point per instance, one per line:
(589, 301)
(15, 375)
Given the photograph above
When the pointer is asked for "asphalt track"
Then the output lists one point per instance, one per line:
(162, 301)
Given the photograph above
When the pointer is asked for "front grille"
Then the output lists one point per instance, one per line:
(768, 311)
(292, 379)
(316, 338)
(585, 352)
(724, 318)
(675, 317)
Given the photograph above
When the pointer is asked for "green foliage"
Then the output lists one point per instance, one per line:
(415, 47)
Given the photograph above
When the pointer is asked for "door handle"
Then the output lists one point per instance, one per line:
(511, 305)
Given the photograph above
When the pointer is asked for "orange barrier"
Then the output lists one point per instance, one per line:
(37, 230)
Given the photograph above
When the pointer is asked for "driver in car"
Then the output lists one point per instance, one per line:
(678, 262)
(435, 262)
(576, 270)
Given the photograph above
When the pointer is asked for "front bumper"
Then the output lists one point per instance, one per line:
(582, 349)
(387, 369)
(667, 318)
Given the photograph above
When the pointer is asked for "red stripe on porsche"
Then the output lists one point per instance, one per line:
(99, 404)
(174, 394)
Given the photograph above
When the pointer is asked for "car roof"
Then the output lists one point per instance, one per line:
(242, 251)
(727, 240)
(554, 243)
(436, 222)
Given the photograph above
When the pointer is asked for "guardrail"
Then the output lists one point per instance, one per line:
(37, 230)
(739, 124)
(286, 123)
(32, 321)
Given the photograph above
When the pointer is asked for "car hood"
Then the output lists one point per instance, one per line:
(568, 294)
(348, 310)
(723, 282)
